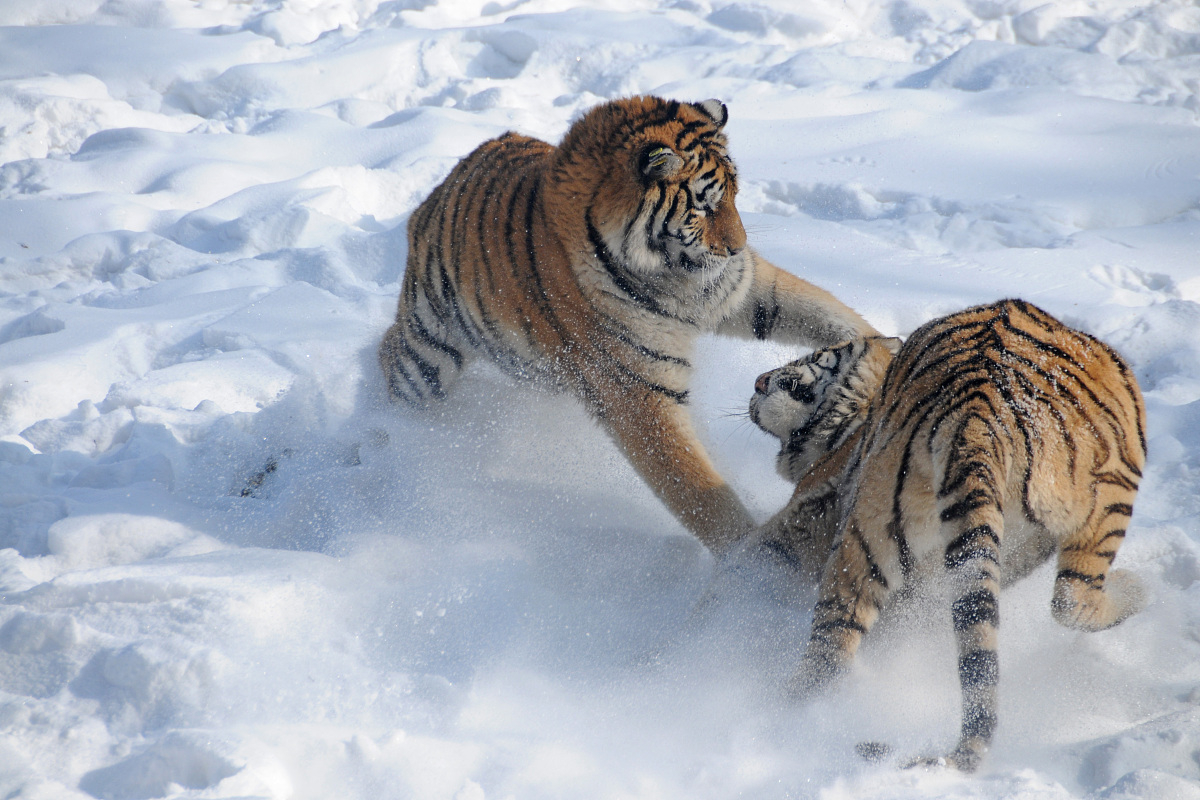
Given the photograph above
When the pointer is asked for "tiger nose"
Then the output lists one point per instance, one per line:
(763, 382)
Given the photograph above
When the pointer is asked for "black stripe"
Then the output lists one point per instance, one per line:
(1131, 391)
(837, 625)
(1116, 426)
(929, 339)
(490, 209)
(975, 608)
(492, 342)
(619, 276)
(1053, 408)
(1123, 509)
(461, 193)
(615, 329)
(974, 499)
(418, 327)
(668, 217)
(978, 668)
(981, 471)
(835, 604)
(966, 547)
(429, 373)
(687, 128)
(651, 217)
(540, 296)
(1094, 581)
(667, 112)
(978, 723)
(617, 367)
(874, 571)
(511, 241)
(903, 551)
(703, 137)
(1113, 479)
(895, 526)
(764, 318)
(784, 553)
(397, 365)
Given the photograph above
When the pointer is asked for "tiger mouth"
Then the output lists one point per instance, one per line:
(706, 261)
(756, 415)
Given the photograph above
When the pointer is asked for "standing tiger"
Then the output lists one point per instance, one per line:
(592, 267)
(999, 437)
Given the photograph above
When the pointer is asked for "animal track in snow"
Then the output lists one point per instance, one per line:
(1133, 287)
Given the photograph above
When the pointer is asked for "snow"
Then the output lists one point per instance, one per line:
(231, 569)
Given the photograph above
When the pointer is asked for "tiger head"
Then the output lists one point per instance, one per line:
(655, 186)
(815, 403)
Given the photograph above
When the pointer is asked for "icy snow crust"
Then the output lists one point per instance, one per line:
(232, 570)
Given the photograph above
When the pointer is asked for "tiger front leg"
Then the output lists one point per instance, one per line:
(853, 591)
(655, 432)
(801, 534)
(781, 307)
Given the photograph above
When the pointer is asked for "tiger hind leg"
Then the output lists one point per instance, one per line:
(419, 358)
(1088, 594)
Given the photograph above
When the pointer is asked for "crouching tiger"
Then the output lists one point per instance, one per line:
(592, 267)
(999, 437)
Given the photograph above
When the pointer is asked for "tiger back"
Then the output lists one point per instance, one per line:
(591, 267)
(1000, 437)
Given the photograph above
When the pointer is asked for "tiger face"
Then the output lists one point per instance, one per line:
(814, 403)
(665, 210)
(686, 219)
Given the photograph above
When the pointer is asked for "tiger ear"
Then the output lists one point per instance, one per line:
(658, 160)
(892, 343)
(715, 110)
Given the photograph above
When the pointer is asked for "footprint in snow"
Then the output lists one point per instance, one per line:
(1133, 287)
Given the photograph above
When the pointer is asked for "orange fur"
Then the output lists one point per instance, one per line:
(999, 437)
(592, 267)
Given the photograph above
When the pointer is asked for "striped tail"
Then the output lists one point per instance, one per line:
(969, 504)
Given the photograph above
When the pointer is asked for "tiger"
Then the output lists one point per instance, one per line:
(997, 437)
(591, 268)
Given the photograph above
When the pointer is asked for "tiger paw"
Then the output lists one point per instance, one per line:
(873, 752)
(960, 759)
(814, 676)
(1128, 594)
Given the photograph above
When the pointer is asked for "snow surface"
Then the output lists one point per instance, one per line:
(232, 570)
